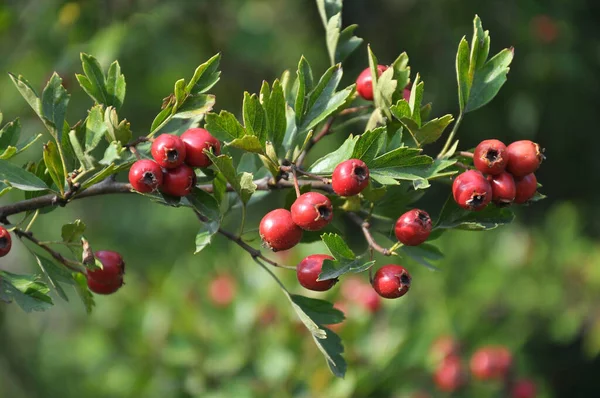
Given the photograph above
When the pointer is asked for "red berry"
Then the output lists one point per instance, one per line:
(5, 241)
(308, 271)
(413, 227)
(490, 157)
(491, 363)
(503, 359)
(524, 388)
(278, 230)
(444, 347)
(450, 375)
(364, 82)
(524, 157)
(196, 141)
(391, 281)
(145, 176)
(168, 150)
(350, 177)
(178, 181)
(112, 269)
(312, 211)
(104, 288)
(526, 188)
(360, 292)
(471, 190)
(406, 93)
(503, 188)
(222, 290)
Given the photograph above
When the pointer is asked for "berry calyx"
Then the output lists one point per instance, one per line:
(312, 211)
(5, 241)
(145, 176)
(364, 82)
(221, 290)
(168, 151)
(113, 267)
(308, 271)
(524, 157)
(503, 188)
(491, 363)
(450, 375)
(471, 190)
(197, 140)
(490, 157)
(278, 231)
(413, 227)
(524, 388)
(350, 177)
(391, 281)
(526, 187)
(178, 181)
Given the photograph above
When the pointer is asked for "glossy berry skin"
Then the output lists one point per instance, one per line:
(524, 157)
(145, 176)
(308, 271)
(350, 177)
(364, 82)
(178, 181)
(490, 157)
(5, 241)
(471, 190)
(312, 211)
(391, 281)
(526, 188)
(278, 231)
(503, 188)
(450, 375)
(113, 267)
(168, 151)
(196, 140)
(524, 388)
(491, 363)
(104, 288)
(413, 227)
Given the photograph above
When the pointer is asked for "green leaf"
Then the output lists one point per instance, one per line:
(205, 76)
(401, 75)
(49, 269)
(95, 128)
(398, 164)
(453, 216)
(489, 79)
(416, 97)
(19, 178)
(9, 134)
(205, 204)
(327, 163)
(303, 85)
(161, 117)
(241, 183)
(195, 106)
(26, 290)
(4, 188)
(179, 93)
(8, 153)
(275, 106)
(116, 131)
(72, 232)
(54, 165)
(85, 160)
(84, 293)
(432, 130)
(95, 77)
(205, 234)
(28, 93)
(332, 34)
(255, 118)
(115, 85)
(347, 43)
(247, 143)
(462, 73)
(345, 259)
(54, 105)
(369, 144)
(224, 126)
(424, 254)
(112, 153)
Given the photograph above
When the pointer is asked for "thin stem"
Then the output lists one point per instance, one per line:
(364, 225)
(243, 223)
(296, 186)
(56, 242)
(465, 154)
(451, 136)
(135, 152)
(315, 176)
(72, 265)
(35, 215)
(462, 165)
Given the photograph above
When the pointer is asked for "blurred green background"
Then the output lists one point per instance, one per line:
(533, 286)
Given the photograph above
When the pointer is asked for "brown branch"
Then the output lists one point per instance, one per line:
(364, 225)
(72, 265)
(465, 154)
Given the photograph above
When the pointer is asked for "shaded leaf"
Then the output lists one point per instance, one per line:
(26, 290)
(19, 178)
(72, 232)
(327, 163)
(345, 259)
(49, 270)
(87, 298)
(453, 216)
(54, 165)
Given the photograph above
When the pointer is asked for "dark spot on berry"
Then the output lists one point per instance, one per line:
(3, 243)
(324, 212)
(476, 200)
(149, 178)
(405, 279)
(423, 217)
(172, 155)
(491, 155)
(360, 173)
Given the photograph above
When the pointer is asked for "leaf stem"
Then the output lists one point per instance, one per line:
(451, 136)
(72, 265)
(35, 215)
(364, 225)
(296, 186)
(243, 223)
(465, 154)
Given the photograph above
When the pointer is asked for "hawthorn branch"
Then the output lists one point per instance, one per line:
(365, 226)
(72, 265)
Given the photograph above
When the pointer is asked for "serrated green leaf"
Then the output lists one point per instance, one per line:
(345, 259)
(55, 100)
(86, 296)
(453, 216)
(9, 134)
(241, 183)
(424, 254)
(303, 86)
(205, 234)
(332, 35)
(205, 76)
(95, 128)
(54, 165)
(204, 203)
(327, 163)
(247, 143)
(28, 93)
(369, 144)
(115, 130)
(401, 75)
(432, 130)
(86, 161)
(115, 86)
(275, 106)
(416, 97)
(255, 118)
(48, 268)
(384, 89)
(99, 176)
(489, 79)
(195, 106)
(26, 290)
(162, 116)
(112, 154)
(347, 44)
(72, 232)
(224, 126)
(19, 178)
(95, 86)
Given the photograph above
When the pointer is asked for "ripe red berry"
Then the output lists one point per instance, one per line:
(490, 157)
(444, 347)
(104, 288)
(524, 388)
(413, 227)
(168, 150)
(278, 230)
(391, 281)
(178, 181)
(471, 190)
(112, 269)
(526, 188)
(312, 211)
(364, 82)
(491, 363)
(5, 241)
(503, 188)
(450, 375)
(350, 177)
(406, 93)
(145, 176)
(524, 157)
(308, 271)
(222, 290)
(196, 141)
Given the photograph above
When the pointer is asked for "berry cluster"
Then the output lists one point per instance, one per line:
(488, 363)
(172, 171)
(510, 175)
(109, 278)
